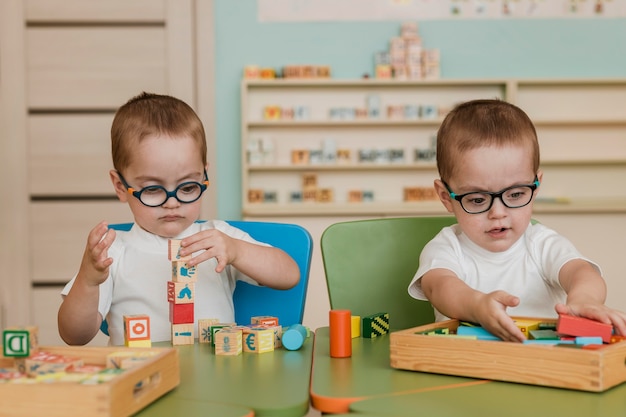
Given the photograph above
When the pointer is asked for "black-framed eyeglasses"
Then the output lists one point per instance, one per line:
(156, 195)
(477, 202)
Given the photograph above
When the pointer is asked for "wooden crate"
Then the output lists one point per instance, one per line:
(119, 397)
(579, 369)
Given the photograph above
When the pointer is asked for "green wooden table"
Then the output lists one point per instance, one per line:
(338, 382)
(366, 384)
(269, 384)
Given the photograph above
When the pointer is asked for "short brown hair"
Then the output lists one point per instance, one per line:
(479, 123)
(153, 114)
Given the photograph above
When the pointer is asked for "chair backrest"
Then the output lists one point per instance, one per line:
(250, 300)
(370, 263)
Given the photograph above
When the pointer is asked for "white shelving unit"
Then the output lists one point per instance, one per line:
(581, 126)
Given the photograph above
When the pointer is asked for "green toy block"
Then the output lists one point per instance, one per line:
(16, 343)
(375, 325)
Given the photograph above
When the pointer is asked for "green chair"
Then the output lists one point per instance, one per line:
(370, 263)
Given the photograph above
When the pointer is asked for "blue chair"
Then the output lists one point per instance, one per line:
(250, 300)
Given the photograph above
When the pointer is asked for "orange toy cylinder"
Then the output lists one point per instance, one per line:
(340, 333)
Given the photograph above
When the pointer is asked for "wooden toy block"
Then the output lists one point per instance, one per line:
(588, 340)
(125, 359)
(271, 112)
(580, 326)
(182, 334)
(173, 251)
(309, 181)
(300, 157)
(138, 343)
(228, 342)
(204, 329)
(527, 325)
(543, 334)
(267, 320)
(41, 363)
(16, 343)
(217, 327)
(355, 322)
(255, 195)
(136, 327)
(309, 196)
(480, 332)
(258, 340)
(294, 337)
(182, 272)
(340, 326)
(180, 292)
(181, 313)
(277, 329)
(375, 325)
(32, 340)
(324, 195)
(355, 196)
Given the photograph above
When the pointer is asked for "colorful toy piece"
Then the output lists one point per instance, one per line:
(16, 343)
(375, 325)
(580, 326)
(294, 337)
(137, 331)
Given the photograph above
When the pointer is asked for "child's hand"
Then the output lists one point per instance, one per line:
(94, 268)
(491, 314)
(213, 244)
(598, 312)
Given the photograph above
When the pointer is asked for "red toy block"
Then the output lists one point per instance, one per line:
(181, 313)
(580, 326)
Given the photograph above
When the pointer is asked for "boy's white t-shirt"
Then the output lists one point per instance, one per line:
(137, 282)
(529, 269)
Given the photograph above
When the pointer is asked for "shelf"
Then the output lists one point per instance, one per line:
(342, 123)
(581, 125)
(577, 206)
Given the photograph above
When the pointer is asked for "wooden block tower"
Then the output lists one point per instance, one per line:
(181, 295)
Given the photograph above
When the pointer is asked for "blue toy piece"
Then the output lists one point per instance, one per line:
(294, 337)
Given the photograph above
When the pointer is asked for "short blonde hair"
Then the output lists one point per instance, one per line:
(153, 114)
(479, 123)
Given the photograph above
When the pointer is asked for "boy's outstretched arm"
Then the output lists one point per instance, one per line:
(269, 266)
(78, 317)
(455, 299)
(586, 294)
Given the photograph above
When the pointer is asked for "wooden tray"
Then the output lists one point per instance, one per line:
(119, 397)
(555, 366)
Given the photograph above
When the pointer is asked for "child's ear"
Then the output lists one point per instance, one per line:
(118, 186)
(444, 195)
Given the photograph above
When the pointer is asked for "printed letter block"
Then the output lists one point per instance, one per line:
(181, 272)
(173, 251)
(182, 334)
(265, 320)
(204, 329)
(258, 340)
(228, 341)
(180, 292)
(137, 331)
(16, 343)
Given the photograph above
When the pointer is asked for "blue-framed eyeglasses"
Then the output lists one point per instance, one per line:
(156, 195)
(477, 202)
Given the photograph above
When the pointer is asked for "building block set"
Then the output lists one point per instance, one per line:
(344, 327)
(87, 381)
(568, 352)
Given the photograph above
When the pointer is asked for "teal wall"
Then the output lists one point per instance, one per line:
(538, 48)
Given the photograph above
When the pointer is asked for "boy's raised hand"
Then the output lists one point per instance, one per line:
(213, 244)
(94, 268)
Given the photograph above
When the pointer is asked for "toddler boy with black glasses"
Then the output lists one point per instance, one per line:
(494, 261)
(160, 162)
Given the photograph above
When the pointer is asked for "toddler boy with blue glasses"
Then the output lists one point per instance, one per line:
(160, 170)
(494, 261)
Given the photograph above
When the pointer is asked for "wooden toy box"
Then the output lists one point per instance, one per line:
(555, 366)
(122, 396)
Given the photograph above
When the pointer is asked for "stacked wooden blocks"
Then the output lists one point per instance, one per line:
(181, 295)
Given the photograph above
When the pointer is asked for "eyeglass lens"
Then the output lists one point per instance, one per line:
(512, 198)
(154, 196)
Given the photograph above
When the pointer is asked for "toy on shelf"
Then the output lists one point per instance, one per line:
(406, 58)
